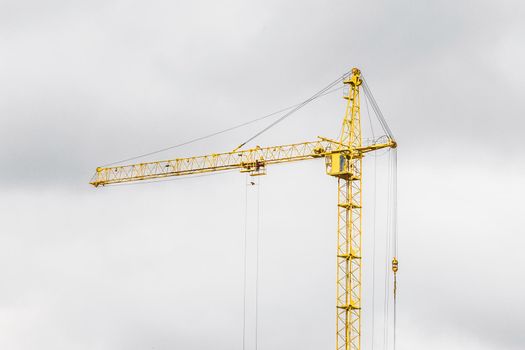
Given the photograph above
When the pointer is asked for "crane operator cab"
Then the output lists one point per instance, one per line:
(338, 164)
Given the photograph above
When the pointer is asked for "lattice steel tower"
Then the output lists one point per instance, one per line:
(343, 159)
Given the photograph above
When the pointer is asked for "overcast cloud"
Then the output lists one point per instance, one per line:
(159, 266)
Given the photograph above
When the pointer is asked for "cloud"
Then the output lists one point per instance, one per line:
(159, 266)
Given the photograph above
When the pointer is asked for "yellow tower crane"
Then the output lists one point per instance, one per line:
(343, 160)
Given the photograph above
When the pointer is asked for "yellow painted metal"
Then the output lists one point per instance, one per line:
(395, 268)
(343, 159)
(252, 161)
(349, 178)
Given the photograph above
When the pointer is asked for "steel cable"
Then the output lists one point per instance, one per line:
(298, 107)
(387, 257)
(372, 311)
(394, 240)
(245, 258)
(257, 264)
(377, 110)
(217, 132)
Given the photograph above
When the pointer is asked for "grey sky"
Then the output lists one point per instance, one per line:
(158, 266)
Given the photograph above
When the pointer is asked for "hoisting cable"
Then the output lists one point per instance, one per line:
(295, 109)
(217, 132)
(249, 183)
(245, 258)
(387, 255)
(391, 250)
(391, 244)
(257, 232)
(372, 311)
(395, 263)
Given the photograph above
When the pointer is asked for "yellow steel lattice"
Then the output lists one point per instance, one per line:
(343, 160)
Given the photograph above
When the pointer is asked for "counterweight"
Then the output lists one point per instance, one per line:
(343, 161)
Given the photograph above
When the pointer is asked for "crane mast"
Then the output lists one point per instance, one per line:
(343, 158)
(349, 203)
